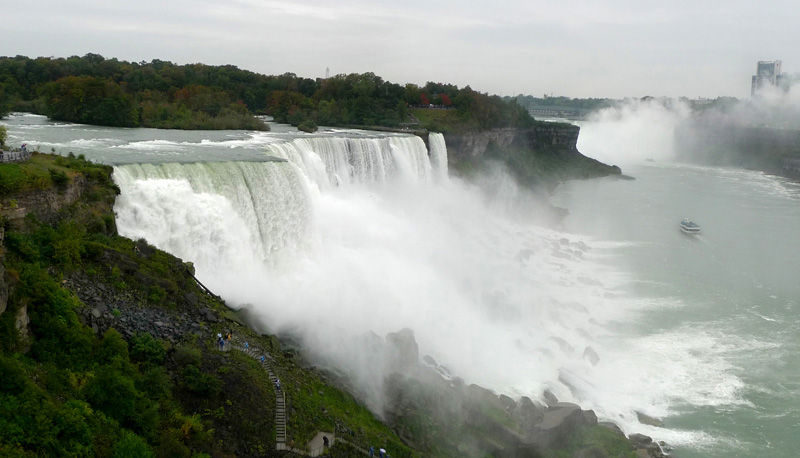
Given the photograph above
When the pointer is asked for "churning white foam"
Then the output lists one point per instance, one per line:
(353, 236)
(632, 132)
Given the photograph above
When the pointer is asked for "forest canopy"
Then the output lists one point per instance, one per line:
(95, 90)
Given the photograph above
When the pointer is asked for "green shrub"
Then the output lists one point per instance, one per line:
(12, 376)
(113, 393)
(11, 179)
(132, 446)
(59, 178)
(186, 355)
(307, 126)
(156, 294)
(112, 345)
(199, 383)
(155, 383)
(146, 348)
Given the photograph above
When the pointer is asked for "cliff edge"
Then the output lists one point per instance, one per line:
(538, 157)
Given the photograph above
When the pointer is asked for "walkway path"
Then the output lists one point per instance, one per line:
(280, 398)
(316, 446)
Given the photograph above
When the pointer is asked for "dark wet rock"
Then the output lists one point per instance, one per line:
(648, 420)
(591, 355)
(559, 422)
(479, 394)
(640, 440)
(613, 427)
(191, 299)
(563, 345)
(507, 402)
(549, 398)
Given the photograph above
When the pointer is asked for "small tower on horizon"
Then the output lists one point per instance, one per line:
(327, 72)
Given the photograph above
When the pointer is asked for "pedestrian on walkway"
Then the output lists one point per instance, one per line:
(246, 345)
(371, 452)
(277, 383)
(325, 442)
(262, 358)
(383, 453)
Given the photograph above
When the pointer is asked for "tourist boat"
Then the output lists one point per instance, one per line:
(690, 227)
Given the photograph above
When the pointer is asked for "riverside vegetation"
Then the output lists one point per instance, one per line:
(107, 349)
(95, 90)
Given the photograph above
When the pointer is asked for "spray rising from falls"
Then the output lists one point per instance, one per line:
(353, 236)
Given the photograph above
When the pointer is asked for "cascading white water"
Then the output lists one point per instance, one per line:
(336, 161)
(501, 303)
(438, 155)
(270, 199)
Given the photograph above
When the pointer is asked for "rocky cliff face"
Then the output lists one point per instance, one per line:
(542, 155)
(466, 145)
(45, 204)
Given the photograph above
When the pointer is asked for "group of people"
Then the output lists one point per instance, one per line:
(382, 453)
(224, 343)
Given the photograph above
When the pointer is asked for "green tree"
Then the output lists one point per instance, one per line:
(3, 136)
(132, 446)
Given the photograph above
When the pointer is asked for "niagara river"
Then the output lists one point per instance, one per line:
(332, 237)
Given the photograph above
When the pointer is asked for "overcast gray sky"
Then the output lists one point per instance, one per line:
(577, 48)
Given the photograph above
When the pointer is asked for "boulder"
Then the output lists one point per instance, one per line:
(640, 440)
(648, 420)
(559, 423)
(549, 398)
(591, 355)
(507, 403)
(528, 413)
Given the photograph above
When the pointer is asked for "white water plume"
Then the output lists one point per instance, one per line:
(633, 131)
(502, 303)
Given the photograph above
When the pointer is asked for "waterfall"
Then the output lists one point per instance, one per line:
(438, 155)
(354, 235)
(271, 200)
(334, 161)
(262, 211)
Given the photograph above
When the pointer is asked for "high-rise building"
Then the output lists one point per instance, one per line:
(768, 74)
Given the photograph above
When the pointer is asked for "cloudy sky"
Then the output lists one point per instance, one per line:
(577, 48)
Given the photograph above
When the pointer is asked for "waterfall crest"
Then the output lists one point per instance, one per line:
(335, 161)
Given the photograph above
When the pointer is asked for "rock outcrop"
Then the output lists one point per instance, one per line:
(539, 156)
(471, 418)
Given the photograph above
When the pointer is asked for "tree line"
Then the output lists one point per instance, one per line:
(95, 90)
